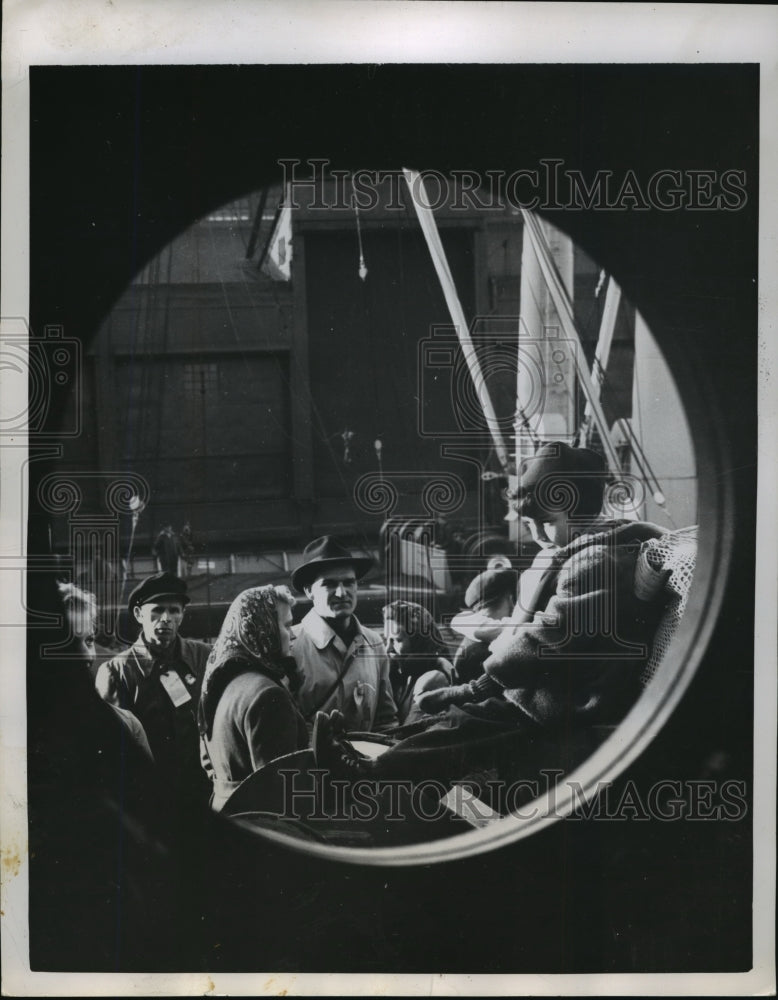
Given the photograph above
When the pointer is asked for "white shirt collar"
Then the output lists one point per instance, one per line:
(321, 634)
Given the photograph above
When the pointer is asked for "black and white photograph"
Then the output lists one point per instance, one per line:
(388, 470)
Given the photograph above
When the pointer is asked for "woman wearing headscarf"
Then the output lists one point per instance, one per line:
(415, 648)
(247, 716)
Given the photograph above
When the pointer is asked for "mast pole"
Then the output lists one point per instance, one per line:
(602, 352)
(429, 228)
(564, 309)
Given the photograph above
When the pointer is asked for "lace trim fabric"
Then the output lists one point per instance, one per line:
(666, 563)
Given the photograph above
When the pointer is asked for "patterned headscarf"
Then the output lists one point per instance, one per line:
(249, 639)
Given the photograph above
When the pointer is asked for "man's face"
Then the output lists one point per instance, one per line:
(502, 608)
(160, 620)
(396, 639)
(550, 529)
(334, 593)
(284, 613)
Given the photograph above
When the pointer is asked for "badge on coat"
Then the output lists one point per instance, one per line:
(174, 686)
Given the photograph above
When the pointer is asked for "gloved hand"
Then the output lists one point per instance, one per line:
(337, 724)
(439, 700)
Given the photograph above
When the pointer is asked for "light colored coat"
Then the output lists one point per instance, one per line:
(364, 693)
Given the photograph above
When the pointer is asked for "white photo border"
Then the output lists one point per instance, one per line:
(187, 32)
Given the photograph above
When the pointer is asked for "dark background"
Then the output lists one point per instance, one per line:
(121, 160)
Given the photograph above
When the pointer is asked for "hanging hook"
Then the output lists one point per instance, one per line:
(362, 266)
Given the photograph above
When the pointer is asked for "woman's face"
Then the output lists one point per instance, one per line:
(82, 638)
(396, 639)
(284, 613)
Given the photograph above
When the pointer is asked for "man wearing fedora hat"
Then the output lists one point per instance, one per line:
(158, 679)
(344, 664)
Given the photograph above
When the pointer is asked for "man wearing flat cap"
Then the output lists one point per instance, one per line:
(344, 664)
(158, 679)
(570, 658)
(490, 599)
(578, 637)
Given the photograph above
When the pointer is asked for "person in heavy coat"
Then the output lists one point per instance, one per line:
(343, 663)
(166, 550)
(98, 842)
(489, 598)
(247, 716)
(570, 658)
(417, 657)
(158, 679)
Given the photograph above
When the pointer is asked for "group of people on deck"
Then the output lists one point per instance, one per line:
(253, 696)
(560, 647)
